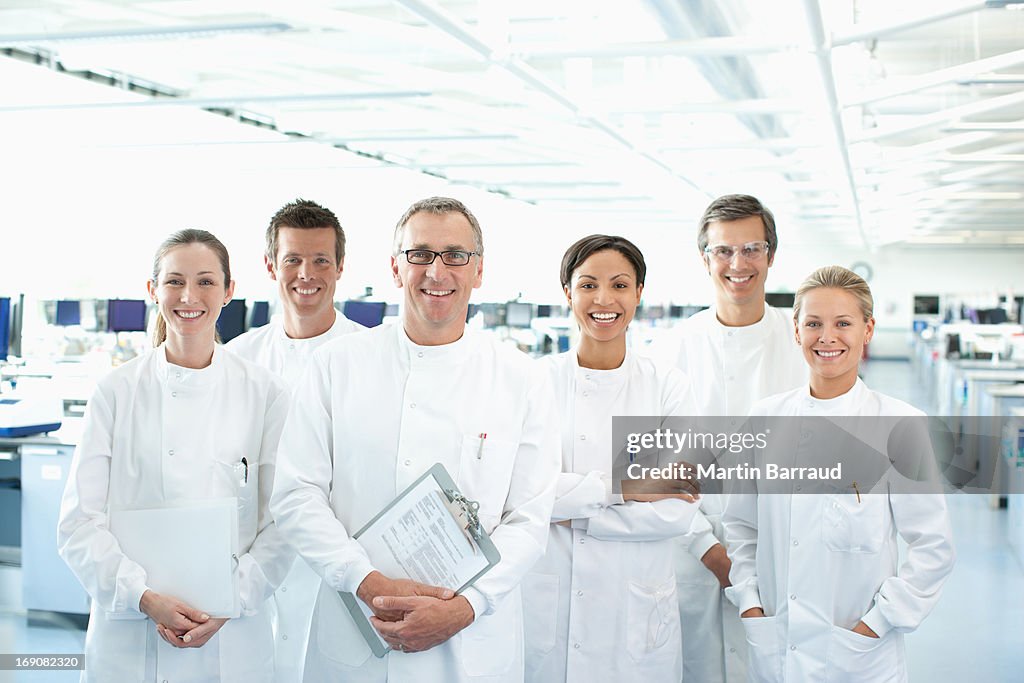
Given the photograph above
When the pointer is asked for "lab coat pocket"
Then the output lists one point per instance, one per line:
(854, 523)
(853, 657)
(485, 473)
(764, 652)
(247, 649)
(240, 481)
(490, 644)
(540, 613)
(652, 620)
(115, 649)
(337, 636)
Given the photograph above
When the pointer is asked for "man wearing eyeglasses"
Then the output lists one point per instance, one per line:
(374, 412)
(735, 352)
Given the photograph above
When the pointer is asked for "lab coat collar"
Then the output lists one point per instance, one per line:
(748, 334)
(167, 372)
(445, 354)
(846, 404)
(601, 377)
(277, 322)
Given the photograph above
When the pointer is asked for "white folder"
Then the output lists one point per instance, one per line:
(189, 551)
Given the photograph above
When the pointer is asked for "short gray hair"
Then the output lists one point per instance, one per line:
(439, 206)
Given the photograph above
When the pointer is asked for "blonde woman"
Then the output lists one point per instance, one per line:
(186, 421)
(816, 576)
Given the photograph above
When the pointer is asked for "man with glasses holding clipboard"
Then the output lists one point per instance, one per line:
(372, 414)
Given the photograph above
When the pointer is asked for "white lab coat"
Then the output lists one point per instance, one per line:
(730, 368)
(372, 413)
(819, 563)
(157, 434)
(270, 347)
(601, 604)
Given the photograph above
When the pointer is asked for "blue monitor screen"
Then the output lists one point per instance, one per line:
(260, 314)
(231, 322)
(126, 315)
(366, 313)
(5, 326)
(69, 313)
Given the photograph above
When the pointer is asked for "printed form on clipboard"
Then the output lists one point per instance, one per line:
(430, 533)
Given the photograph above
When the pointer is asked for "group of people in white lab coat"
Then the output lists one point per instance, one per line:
(313, 424)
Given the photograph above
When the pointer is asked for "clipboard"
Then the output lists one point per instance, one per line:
(400, 547)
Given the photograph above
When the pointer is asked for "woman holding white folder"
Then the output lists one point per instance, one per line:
(601, 603)
(183, 424)
(816, 576)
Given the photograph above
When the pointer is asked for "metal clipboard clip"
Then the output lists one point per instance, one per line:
(465, 512)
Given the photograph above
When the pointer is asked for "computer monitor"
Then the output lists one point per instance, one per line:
(68, 313)
(518, 314)
(651, 312)
(5, 326)
(926, 305)
(260, 315)
(126, 315)
(991, 316)
(366, 313)
(471, 310)
(494, 315)
(231, 321)
(544, 310)
(779, 299)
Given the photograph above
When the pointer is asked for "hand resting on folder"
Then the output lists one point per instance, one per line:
(412, 616)
(176, 622)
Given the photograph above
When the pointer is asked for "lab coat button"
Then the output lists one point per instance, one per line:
(284, 589)
(408, 462)
(796, 542)
(284, 637)
(412, 405)
(291, 346)
(419, 355)
(792, 597)
(583, 540)
(585, 377)
(792, 647)
(174, 394)
(170, 452)
(586, 393)
(798, 488)
(732, 649)
(579, 593)
(577, 646)
(583, 437)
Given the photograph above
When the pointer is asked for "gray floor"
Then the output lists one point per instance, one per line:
(975, 634)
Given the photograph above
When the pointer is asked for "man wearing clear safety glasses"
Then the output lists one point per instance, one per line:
(736, 352)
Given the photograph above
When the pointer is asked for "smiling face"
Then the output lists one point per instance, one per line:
(832, 332)
(307, 271)
(191, 291)
(436, 295)
(738, 282)
(603, 295)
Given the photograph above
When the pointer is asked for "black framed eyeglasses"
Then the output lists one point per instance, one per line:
(424, 257)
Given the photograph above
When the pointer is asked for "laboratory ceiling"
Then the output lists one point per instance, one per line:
(863, 123)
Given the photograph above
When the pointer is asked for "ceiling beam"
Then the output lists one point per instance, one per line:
(698, 47)
(942, 116)
(457, 29)
(148, 33)
(213, 102)
(904, 86)
(823, 52)
(878, 30)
